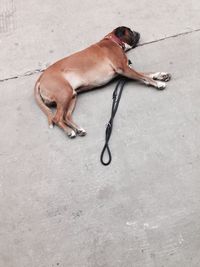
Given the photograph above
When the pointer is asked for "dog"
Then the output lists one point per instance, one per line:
(92, 67)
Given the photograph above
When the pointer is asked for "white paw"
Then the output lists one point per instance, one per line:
(161, 76)
(72, 134)
(81, 132)
(51, 126)
(146, 82)
(161, 85)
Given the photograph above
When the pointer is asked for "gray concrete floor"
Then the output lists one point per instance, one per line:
(59, 205)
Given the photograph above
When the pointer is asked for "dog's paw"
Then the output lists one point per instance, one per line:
(162, 76)
(81, 132)
(71, 134)
(160, 85)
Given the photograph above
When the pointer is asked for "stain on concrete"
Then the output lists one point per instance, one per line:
(105, 193)
(7, 16)
(77, 214)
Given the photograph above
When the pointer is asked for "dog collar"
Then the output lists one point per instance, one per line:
(116, 40)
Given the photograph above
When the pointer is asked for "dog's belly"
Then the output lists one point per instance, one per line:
(98, 79)
(89, 79)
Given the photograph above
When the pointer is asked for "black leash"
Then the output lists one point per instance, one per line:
(116, 99)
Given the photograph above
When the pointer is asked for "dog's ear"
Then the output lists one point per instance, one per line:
(120, 31)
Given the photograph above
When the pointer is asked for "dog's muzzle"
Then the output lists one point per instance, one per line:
(136, 38)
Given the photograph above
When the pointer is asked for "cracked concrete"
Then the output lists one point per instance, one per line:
(59, 205)
(169, 37)
(27, 73)
(31, 72)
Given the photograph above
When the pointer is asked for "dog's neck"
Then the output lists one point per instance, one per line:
(115, 39)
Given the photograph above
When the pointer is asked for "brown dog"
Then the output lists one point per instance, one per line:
(87, 69)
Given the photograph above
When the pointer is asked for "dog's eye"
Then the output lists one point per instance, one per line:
(120, 31)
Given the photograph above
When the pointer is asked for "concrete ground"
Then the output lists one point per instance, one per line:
(59, 205)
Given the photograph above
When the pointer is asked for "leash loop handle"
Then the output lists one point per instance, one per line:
(106, 148)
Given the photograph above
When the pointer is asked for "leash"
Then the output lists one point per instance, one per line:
(116, 99)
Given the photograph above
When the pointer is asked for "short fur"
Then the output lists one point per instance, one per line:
(92, 67)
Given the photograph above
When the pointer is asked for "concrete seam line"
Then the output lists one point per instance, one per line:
(30, 73)
(169, 37)
(27, 73)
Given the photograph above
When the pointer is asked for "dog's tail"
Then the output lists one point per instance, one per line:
(41, 104)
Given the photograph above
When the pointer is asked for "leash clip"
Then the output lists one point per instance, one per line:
(108, 124)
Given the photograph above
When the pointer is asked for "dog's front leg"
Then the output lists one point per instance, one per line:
(145, 78)
(160, 76)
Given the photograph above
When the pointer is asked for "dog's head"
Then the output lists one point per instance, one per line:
(127, 36)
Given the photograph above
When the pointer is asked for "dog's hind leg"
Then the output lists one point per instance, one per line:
(58, 120)
(68, 117)
(62, 97)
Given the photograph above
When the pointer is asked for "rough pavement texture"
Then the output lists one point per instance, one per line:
(59, 205)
